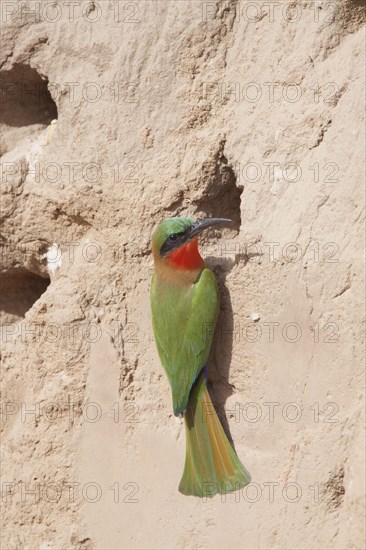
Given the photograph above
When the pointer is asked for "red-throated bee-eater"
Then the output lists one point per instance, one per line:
(184, 302)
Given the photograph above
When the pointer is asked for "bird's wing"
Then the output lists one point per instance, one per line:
(184, 322)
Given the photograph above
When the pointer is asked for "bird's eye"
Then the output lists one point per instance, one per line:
(173, 238)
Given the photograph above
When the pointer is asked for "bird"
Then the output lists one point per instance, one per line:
(185, 302)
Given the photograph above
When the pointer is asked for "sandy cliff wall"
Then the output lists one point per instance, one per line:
(115, 116)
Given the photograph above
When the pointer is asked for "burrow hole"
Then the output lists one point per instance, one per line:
(219, 193)
(26, 105)
(222, 195)
(18, 292)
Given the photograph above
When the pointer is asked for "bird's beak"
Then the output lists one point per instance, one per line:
(201, 225)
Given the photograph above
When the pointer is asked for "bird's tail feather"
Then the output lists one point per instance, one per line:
(211, 465)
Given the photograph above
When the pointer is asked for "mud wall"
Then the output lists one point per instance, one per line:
(116, 115)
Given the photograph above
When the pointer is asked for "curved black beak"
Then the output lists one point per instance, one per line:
(201, 225)
(185, 236)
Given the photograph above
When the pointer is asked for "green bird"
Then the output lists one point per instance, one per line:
(185, 304)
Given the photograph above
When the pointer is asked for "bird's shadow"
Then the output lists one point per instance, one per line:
(219, 361)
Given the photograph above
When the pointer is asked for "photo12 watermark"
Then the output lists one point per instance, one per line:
(272, 11)
(90, 492)
(132, 412)
(270, 92)
(13, 13)
(269, 492)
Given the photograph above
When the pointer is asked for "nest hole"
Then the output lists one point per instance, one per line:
(26, 105)
(18, 293)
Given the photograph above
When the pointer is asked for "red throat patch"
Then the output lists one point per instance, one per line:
(186, 257)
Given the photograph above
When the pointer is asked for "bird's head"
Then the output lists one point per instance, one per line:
(175, 241)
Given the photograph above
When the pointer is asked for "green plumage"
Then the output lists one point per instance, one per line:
(211, 465)
(185, 305)
(184, 319)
